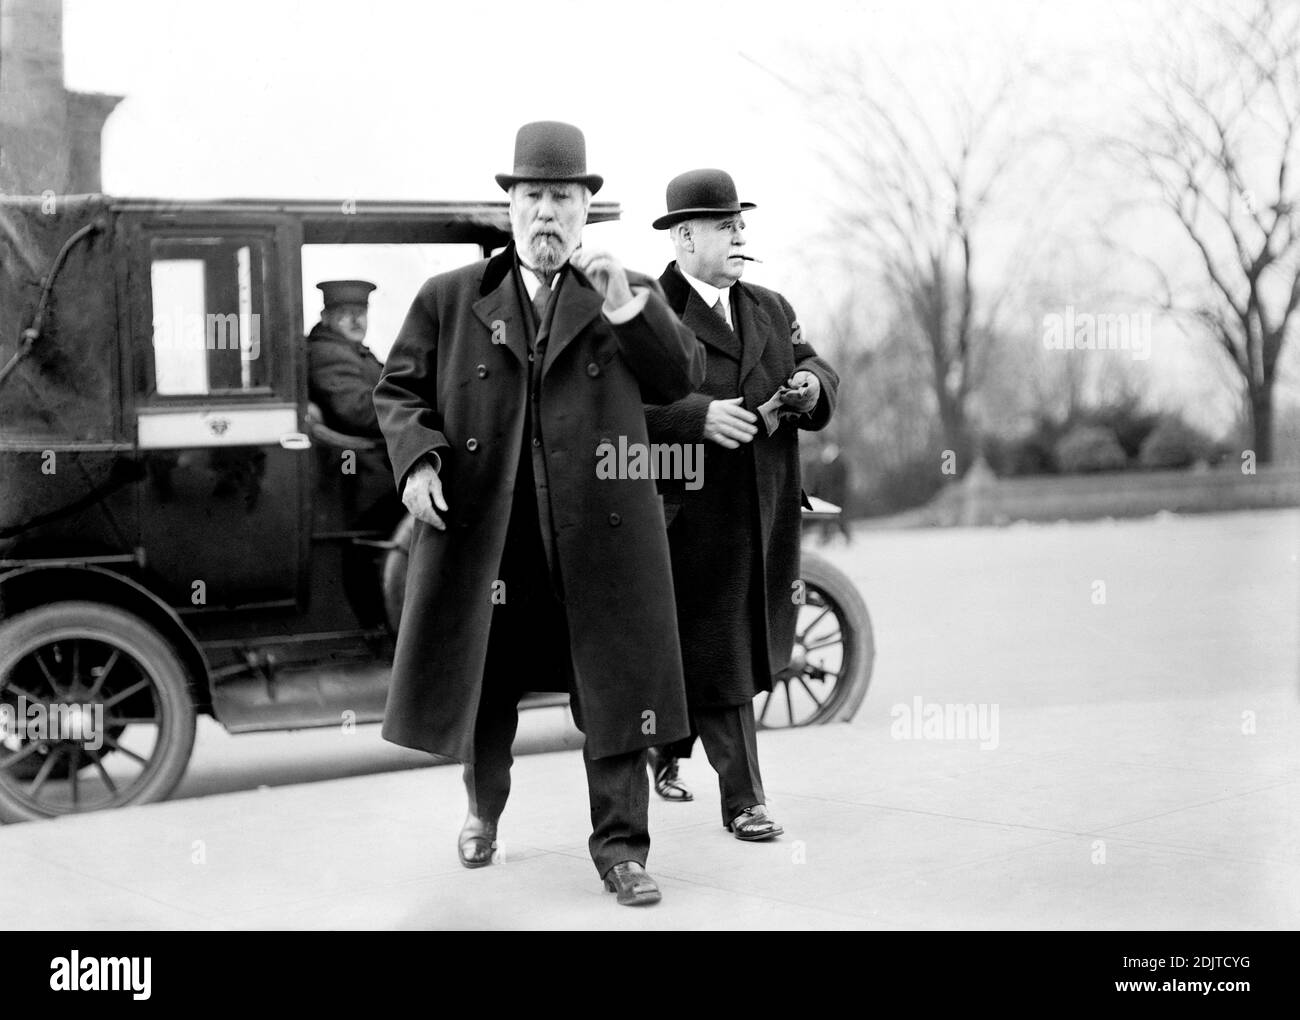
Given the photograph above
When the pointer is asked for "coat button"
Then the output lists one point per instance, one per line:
(593, 369)
(471, 444)
(615, 520)
(482, 371)
(536, 441)
(530, 357)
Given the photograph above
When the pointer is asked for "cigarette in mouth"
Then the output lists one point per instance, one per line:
(750, 258)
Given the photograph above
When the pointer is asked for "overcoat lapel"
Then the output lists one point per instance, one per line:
(498, 305)
(709, 327)
(577, 303)
(702, 320)
(755, 328)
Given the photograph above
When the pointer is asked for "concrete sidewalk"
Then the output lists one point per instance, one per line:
(1179, 821)
(1146, 774)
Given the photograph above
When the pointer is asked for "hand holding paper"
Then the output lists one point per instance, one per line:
(798, 396)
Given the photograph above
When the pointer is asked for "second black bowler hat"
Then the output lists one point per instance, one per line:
(548, 150)
(706, 192)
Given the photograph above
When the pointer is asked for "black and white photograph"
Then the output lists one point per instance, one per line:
(709, 466)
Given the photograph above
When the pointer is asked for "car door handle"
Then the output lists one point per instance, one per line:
(295, 441)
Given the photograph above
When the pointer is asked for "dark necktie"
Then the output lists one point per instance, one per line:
(541, 299)
(722, 312)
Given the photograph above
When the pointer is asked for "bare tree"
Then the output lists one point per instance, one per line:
(885, 411)
(924, 182)
(1219, 144)
(885, 421)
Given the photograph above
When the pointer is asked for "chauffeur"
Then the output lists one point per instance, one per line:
(734, 540)
(342, 370)
(527, 571)
(342, 373)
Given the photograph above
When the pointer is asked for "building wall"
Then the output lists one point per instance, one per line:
(49, 136)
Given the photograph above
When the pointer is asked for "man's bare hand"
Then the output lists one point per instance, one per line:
(422, 495)
(806, 391)
(728, 424)
(606, 273)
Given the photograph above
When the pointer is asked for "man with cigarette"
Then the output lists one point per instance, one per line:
(734, 540)
(527, 570)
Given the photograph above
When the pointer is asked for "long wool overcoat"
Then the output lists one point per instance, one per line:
(735, 538)
(456, 384)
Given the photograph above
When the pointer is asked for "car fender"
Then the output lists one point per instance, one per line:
(35, 584)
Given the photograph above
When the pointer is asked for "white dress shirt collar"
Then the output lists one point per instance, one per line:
(711, 294)
(532, 282)
(617, 316)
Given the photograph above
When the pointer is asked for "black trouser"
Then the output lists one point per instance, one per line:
(617, 787)
(528, 648)
(730, 739)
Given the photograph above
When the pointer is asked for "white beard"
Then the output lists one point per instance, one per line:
(547, 254)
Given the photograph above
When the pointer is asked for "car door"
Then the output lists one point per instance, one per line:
(216, 416)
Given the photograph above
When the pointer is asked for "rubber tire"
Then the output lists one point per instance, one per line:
(818, 572)
(62, 620)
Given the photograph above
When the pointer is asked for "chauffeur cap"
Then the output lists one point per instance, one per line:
(346, 292)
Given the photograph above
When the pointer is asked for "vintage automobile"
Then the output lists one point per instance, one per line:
(178, 533)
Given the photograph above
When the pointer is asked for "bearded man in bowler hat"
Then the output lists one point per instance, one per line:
(527, 571)
(734, 539)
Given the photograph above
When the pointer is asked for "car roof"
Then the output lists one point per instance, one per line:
(339, 221)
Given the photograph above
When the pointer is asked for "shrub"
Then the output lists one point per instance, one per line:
(1128, 421)
(1034, 451)
(1024, 454)
(895, 488)
(1175, 444)
(1089, 448)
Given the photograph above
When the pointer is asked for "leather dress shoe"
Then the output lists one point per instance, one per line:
(667, 784)
(754, 824)
(634, 887)
(477, 842)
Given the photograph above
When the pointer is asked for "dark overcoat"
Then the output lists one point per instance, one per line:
(735, 538)
(341, 379)
(342, 375)
(455, 385)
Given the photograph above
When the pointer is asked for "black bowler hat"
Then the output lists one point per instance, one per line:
(346, 292)
(548, 150)
(700, 193)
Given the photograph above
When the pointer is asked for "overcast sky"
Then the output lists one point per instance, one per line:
(388, 99)
(422, 99)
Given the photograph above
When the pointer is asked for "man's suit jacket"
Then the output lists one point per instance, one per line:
(455, 385)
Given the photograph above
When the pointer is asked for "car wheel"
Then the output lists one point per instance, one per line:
(95, 712)
(834, 651)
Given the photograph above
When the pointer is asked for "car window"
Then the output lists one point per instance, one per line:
(208, 314)
(397, 270)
